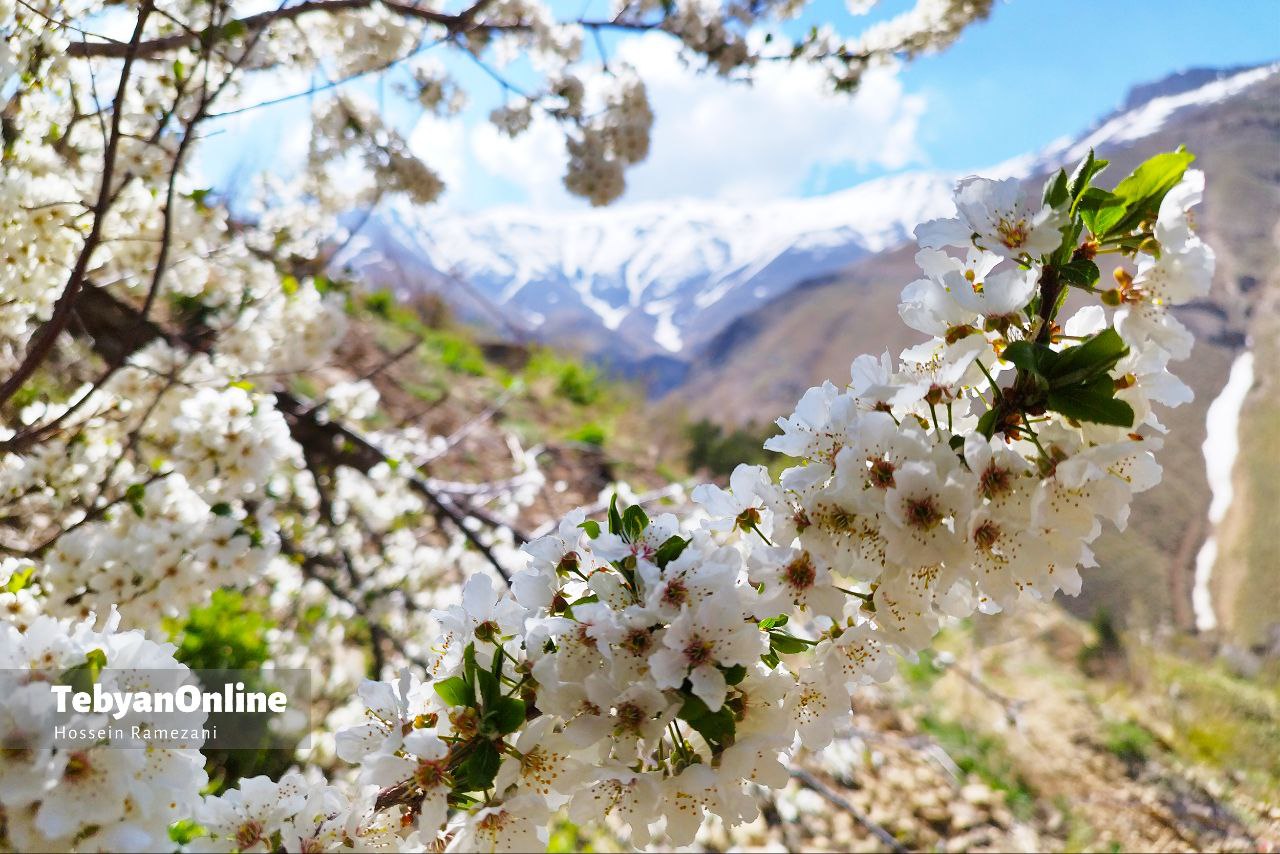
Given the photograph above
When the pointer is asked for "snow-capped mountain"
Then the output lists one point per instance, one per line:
(639, 285)
(641, 279)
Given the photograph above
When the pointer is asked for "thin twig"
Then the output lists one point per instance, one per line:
(804, 778)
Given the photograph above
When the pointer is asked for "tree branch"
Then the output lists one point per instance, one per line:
(461, 22)
(42, 342)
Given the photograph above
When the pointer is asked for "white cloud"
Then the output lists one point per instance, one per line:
(533, 161)
(441, 143)
(717, 139)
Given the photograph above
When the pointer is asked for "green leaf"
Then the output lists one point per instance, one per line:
(1036, 359)
(19, 580)
(773, 622)
(734, 675)
(134, 495)
(1101, 210)
(507, 714)
(1143, 190)
(1148, 183)
(717, 727)
(82, 676)
(490, 688)
(670, 550)
(455, 691)
(770, 659)
(1084, 362)
(1055, 191)
(469, 663)
(1094, 401)
(692, 708)
(615, 518)
(1081, 272)
(592, 527)
(184, 831)
(786, 644)
(1084, 174)
(222, 508)
(634, 521)
(476, 772)
(987, 423)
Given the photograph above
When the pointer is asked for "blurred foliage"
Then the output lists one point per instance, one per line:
(1222, 720)
(576, 382)
(568, 837)
(230, 633)
(1132, 743)
(1106, 650)
(921, 673)
(590, 433)
(718, 451)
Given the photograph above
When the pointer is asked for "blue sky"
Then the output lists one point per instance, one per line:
(1034, 71)
(1039, 69)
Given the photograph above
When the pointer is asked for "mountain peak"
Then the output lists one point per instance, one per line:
(1179, 82)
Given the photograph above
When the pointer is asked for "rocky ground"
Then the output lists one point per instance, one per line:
(1003, 743)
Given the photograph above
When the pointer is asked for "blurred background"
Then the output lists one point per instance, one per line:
(760, 247)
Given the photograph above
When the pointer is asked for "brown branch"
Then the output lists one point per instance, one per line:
(462, 22)
(344, 446)
(42, 342)
(812, 783)
(330, 440)
(262, 20)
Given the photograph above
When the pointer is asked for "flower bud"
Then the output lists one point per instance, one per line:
(466, 722)
(568, 564)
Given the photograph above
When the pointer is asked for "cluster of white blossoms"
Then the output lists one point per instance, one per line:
(114, 793)
(643, 675)
(615, 137)
(343, 127)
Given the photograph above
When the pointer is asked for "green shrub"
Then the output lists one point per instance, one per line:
(1129, 741)
(590, 433)
(574, 381)
(718, 452)
(230, 633)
